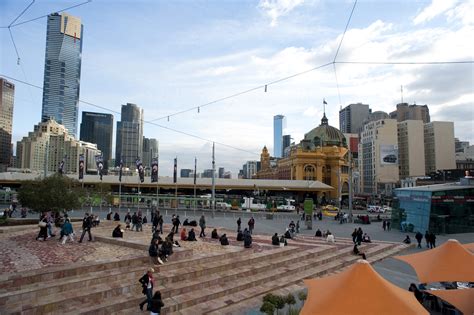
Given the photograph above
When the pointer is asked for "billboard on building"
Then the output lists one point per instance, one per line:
(388, 154)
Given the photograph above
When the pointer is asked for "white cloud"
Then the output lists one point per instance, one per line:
(436, 8)
(276, 8)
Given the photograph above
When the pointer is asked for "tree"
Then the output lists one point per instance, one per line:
(55, 193)
(267, 308)
(290, 300)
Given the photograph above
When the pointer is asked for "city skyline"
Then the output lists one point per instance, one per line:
(245, 45)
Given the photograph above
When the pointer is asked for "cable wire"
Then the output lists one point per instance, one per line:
(405, 62)
(263, 86)
(145, 121)
(23, 12)
(337, 84)
(345, 30)
(43, 16)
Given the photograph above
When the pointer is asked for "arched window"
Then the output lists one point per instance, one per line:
(309, 172)
(327, 174)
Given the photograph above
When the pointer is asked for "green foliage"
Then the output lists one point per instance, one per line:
(290, 299)
(302, 296)
(55, 193)
(267, 308)
(279, 302)
(295, 311)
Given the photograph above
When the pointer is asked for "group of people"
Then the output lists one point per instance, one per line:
(430, 239)
(159, 249)
(242, 236)
(386, 225)
(359, 237)
(330, 238)
(47, 222)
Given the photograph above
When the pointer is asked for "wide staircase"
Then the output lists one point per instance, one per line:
(191, 283)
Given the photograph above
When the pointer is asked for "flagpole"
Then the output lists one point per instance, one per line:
(157, 180)
(213, 180)
(175, 178)
(195, 164)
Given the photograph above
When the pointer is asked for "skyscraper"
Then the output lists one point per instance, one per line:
(62, 70)
(411, 112)
(7, 94)
(129, 143)
(279, 123)
(351, 117)
(98, 128)
(150, 151)
(439, 146)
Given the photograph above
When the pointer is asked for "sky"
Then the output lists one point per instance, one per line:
(169, 56)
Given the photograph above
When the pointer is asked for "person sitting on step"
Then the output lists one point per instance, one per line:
(185, 222)
(287, 234)
(223, 239)
(166, 249)
(240, 236)
(318, 233)
(214, 234)
(330, 238)
(117, 232)
(275, 240)
(192, 235)
(247, 239)
(283, 240)
(356, 251)
(366, 238)
(407, 240)
(183, 234)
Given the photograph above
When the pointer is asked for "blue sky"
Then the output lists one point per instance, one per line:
(167, 56)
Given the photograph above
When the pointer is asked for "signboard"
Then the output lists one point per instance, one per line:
(388, 154)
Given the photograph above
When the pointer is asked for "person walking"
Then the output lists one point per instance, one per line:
(388, 225)
(86, 227)
(251, 224)
(419, 238)
(384, 225)
(354, 236)
(156, 303)
(427, 239)
(134, 222)
(67, 231)
(155, 222)
(176, 224)
(432, 240)
(202, 224)
(160, 223)
(43, 225)
(147, 283)
(239, 222)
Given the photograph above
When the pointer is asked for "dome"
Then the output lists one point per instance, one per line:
(325, 135)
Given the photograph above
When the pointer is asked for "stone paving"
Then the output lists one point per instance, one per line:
(21, 252)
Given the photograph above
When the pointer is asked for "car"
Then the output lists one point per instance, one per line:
(391, 158)
(223, 205)
(375, 209)
(330, 208)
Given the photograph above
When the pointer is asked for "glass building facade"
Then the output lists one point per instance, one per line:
(98, 128)
(279, 122)
(62, 70)
(442, 209)
(7, 94)
(129, 144)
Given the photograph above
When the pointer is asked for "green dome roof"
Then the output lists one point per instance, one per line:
(324, 135)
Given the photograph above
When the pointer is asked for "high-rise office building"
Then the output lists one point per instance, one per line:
(352, 117)
(378, 157)
(150, 151)
(62, 70)
(49, 144)
(411, 112)
(279, 123)
(439, 146)
(249, 169)
(286, 144)
(7, 94)
(410, 151)
(98, 128)
(129, 144)
(221, 172)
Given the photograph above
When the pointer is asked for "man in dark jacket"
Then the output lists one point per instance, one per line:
(147, 288)
(275, 240)
(176, 224)
(223, 239)
(156, 303)
(191, 235)
(247, 239)
(86, 227)
(419, 238)
(427, 239)
(432, 240)
(202, 224)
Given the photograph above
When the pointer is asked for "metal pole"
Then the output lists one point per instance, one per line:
(138, 193)
(100, 196)
(46, 160)
(213, 180)
(120, 196)
(350, 186)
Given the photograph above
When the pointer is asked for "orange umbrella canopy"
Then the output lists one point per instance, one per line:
(462, 299)
(358, 290)
(449, 262)
(469, 246)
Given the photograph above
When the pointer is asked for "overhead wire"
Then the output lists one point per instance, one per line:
(43, 16)
(145, 121)
(345, 30)
(22, 12)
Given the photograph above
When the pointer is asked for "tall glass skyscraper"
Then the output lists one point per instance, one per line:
(62, 70)
(98, 128)
(7, 94)
(279, 122)
(129, 145)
